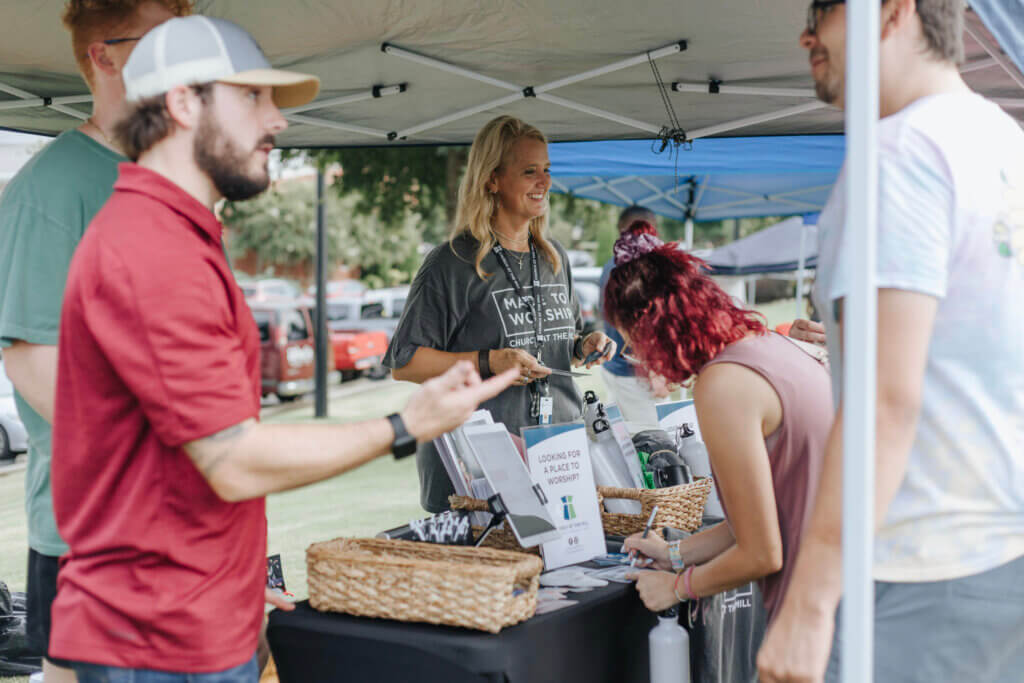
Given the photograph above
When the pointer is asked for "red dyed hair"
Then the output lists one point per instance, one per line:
(677, 318)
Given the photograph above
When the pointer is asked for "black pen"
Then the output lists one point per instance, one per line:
(647, 530)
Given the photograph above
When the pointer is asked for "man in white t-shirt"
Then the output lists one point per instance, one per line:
(949, 551)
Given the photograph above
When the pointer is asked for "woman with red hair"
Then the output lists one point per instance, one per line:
(764, 407)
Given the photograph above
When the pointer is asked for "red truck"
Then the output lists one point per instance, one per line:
(287, 349)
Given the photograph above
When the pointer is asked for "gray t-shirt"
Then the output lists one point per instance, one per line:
(451, 309)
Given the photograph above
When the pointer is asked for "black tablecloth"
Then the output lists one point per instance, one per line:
(603, 638)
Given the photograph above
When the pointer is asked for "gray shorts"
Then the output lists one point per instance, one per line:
(969, 629)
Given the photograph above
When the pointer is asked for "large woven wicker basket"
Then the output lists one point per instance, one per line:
(478, 588)
(679, 507)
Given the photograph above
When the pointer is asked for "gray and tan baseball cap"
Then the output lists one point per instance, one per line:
(197, 49)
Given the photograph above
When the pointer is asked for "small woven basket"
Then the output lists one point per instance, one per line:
(478, 588)
(679, 507)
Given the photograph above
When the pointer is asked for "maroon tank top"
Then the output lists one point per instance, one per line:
(797, 447)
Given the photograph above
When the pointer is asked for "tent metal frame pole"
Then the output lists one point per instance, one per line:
(795, 203)
(455, 116)
(600, 183)
(394, 50)
(660, 194)
(324, 123)
(995, 53)
(860, 339)
(716, 88)
(658, 53)
(601, 113)
(56, 103)
(560, 186)
(701, 186)
(375, 92)
(540, 92)
(800, 272)
(44, 102)
(755, 119)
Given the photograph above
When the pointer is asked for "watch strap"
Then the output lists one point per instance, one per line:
(483, 362)
(404, 444)
(577, 348)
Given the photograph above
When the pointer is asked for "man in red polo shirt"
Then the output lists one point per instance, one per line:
(159, 467)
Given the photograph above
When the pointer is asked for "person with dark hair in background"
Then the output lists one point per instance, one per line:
(949, 475)
(499, 294)
(762, 404)
(633, 393)
(160, 465)
(44, 211)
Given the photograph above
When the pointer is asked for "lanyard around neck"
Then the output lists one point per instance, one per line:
(536, 301)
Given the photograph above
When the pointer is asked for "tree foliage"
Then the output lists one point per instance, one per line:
(279, 227)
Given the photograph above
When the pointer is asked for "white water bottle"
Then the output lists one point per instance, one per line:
(669, 646)
(591, 412)
(695, 454)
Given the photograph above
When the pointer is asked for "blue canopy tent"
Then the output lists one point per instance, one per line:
(711, 179)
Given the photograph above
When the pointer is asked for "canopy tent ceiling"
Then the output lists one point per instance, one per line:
(714, 178)
(463, 61)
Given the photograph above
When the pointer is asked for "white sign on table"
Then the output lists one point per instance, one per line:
(674, 413)
(559, 460)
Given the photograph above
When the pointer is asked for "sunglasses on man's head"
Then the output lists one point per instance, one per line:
(818, 9)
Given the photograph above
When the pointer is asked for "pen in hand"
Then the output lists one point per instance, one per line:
(647, 530)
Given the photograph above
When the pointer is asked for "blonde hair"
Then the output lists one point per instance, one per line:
(93, 20)
(491, 149)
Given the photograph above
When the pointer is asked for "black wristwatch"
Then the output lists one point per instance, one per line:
(404, 444)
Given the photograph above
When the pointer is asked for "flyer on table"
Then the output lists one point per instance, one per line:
(559, 460)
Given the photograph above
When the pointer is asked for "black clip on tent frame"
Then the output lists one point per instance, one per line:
(498, 514)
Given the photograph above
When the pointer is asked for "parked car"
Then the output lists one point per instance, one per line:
(391, 299)
(286, 348)
(13, 437)
(356, 314)
(359, 351)
(269, 289)
(340, 288)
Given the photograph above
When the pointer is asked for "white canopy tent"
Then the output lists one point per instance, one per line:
(397, 72)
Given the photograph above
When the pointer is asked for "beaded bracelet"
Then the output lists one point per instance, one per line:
(675, 588)
(686, 581)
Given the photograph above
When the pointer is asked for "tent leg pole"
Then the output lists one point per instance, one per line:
(321, 340)
(689, 234)
(860, 340)
(800, 274)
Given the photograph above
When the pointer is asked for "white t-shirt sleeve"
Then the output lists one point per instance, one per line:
(915, 218)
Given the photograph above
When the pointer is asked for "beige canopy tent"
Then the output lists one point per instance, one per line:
(398, 72)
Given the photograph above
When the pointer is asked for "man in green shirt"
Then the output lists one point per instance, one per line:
(44, 211)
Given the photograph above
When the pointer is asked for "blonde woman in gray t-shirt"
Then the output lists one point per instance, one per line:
(499, 293)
